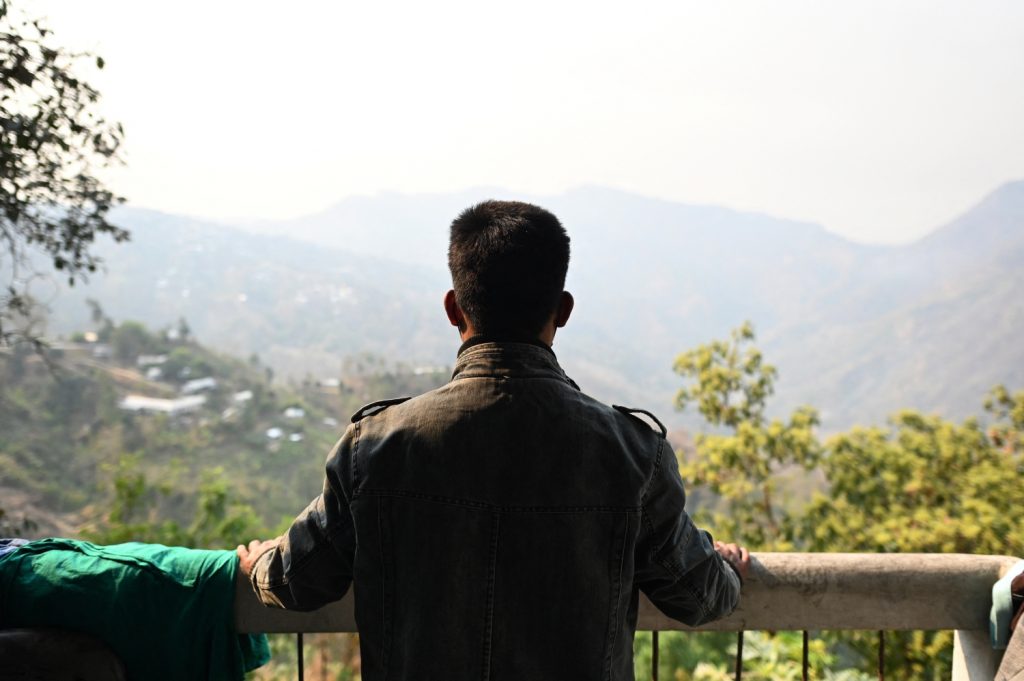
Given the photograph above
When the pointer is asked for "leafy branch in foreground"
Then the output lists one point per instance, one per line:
(52, 143)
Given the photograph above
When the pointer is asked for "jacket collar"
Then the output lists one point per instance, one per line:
(480, 357)
(479, 339)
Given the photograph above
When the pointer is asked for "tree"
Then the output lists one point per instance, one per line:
(922, 484)
(103, 324)
(136, 513)
(730, 383)
(184, 331)
(52, 143)
(131, 339)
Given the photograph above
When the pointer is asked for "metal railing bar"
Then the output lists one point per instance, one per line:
(298, 646)
(654, 655)
(881, 655)
(739, 655)
(806, 664)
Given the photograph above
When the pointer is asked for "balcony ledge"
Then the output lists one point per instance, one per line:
(786, 591)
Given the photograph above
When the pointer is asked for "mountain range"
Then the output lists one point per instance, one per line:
(856, 330)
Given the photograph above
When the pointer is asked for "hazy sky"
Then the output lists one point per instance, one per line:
(879, 120)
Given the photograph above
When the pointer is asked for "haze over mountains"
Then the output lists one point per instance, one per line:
(855, 330)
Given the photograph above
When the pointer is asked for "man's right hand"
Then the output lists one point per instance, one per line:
(247, 555)
(737, 556)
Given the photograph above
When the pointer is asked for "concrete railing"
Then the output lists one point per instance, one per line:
(794, 591)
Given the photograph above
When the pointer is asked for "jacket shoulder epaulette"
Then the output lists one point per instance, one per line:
(376, 407)
(630, 411)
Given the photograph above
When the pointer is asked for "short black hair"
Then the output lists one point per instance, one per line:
(508, 261)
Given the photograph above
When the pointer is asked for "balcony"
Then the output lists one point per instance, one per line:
(792, 591)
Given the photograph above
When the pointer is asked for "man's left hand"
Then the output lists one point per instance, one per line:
(737, 556)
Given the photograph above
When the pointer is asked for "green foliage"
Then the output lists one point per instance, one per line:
(711, 656)
(102, 322)
(679, 653)
(184, 362)
(922, 484)
(137, 514)
(730, 383)
(131, 339)
(333, 657)
(1008, 412)
(52, 142)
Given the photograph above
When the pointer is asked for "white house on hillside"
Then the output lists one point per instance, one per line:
(141, 403)
(199, 385)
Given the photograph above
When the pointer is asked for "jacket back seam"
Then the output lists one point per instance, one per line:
(489, 608)
(616, 595)
(384, 595)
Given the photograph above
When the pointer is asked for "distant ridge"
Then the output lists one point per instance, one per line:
(856, 330)
(994, 226)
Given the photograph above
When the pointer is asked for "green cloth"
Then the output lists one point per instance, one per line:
(167, 612)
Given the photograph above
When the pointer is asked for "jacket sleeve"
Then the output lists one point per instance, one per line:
(312, 562)
(676, 563)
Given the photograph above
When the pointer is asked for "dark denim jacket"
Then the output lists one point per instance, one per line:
(499, 527)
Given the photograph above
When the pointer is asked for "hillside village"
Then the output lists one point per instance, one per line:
(172, 383)
(174, 409)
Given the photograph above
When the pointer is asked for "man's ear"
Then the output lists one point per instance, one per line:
(454, 312)
(565, 305)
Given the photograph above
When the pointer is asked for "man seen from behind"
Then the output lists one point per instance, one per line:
(503, 525)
